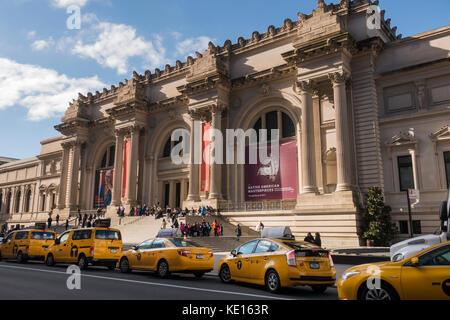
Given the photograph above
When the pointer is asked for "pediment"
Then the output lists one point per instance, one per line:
(403, 138)
(441, 135)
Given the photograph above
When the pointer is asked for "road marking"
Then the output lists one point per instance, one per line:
(152, 283)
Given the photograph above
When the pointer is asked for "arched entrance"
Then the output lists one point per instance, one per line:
(173, 179)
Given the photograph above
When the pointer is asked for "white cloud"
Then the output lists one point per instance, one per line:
(40, 45)
(67, 3)
(191, 45)
(44, 92)
(117, 43)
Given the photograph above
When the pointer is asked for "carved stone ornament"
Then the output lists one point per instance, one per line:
(77, 109)
(306, 86)
(207, 64)
(338, 77)
(131, 92)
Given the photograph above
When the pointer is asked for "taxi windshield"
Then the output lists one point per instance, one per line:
(41, 235)
(107, 235)
(180, 243)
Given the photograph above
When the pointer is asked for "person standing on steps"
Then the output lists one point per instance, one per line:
(164, 224)
(238, 232)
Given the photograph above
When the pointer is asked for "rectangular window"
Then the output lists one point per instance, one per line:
(405, 172)
(403, 227)
(417, 227)
(447, 167)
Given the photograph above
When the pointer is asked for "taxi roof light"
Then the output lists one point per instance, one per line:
(168, 233)
(102, 223)
(283, 233)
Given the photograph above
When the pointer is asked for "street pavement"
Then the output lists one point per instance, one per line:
(35, 281)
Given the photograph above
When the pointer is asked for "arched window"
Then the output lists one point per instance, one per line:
(28, 201)
(169, 145)
(18, 196)
(8, 202)
(272, 121)
(108, 158)
(43, 202)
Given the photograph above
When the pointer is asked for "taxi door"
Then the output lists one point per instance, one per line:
(153, 254)
(259, 259)
(61, 251)
(430, 279)
(140, 256)
(20, 242)
(242, 266)
(7, 246)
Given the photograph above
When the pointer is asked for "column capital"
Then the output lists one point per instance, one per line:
(217, 108)
(337, 78)
(305, 86)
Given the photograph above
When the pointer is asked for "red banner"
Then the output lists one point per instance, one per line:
(275, 181)
(126, 163)
(205, 155)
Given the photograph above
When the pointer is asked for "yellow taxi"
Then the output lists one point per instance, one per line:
(25, 245)
(168, 255)
(99, 246)
(424, 276)
(277, 260)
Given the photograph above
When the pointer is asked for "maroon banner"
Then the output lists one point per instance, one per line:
(104, 192)
(275, 181)
(126, 163)
(204, 185)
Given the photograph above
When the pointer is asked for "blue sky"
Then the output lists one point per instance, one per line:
(43, 64)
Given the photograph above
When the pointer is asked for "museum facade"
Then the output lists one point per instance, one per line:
(356, 106)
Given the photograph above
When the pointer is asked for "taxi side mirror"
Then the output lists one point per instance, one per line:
(415, 262)
(134, 248)
(234, 253)
(57, 241)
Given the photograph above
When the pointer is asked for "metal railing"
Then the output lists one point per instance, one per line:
(269, 205)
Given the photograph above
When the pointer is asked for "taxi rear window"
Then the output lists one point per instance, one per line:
(180, 243)
(41, 235)
(107, 235)
(301, 245)
(21, 235)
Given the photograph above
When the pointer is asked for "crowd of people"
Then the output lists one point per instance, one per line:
(314, 240)
(158, 211)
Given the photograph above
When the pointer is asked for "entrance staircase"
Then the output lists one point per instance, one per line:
(135, 230)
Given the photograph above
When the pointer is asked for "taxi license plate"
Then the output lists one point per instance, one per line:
(314, 265)
(199, 256)
(113, 250)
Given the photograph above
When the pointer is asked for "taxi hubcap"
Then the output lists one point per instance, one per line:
(163, 268)
(225, 274)
(378, 294)
(125, 264)
(273, 281)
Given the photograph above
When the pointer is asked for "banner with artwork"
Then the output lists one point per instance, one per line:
(126, 163)
(204, 186)
(105, 187)
(276, 181)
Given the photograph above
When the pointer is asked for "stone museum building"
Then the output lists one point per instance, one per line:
(357, 105)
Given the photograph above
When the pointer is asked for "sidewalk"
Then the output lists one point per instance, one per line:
(360, 255)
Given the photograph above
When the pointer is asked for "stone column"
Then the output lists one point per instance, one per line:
(172, 193)
(63, 179)
(343, 149)
(132, 167)
(305, 90)
(215, 191)
(118, 165)
(194, 169)
(412, 152)
(73, 186)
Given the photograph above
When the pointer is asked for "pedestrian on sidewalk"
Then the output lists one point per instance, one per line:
(67, 223)
(57, 220)
(238, 232)
(164, 224)
(309, 238)
(260, 228)
(317, 240)
(49, 222)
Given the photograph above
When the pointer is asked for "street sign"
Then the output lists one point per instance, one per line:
(414, 194)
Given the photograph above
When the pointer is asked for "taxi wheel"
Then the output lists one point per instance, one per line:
(384, 293)
(273, 283)
(163, 269)
(124, 266)
(20, 258)
(50, 261)
(319, 288)
(225, 274)
(82, 262)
